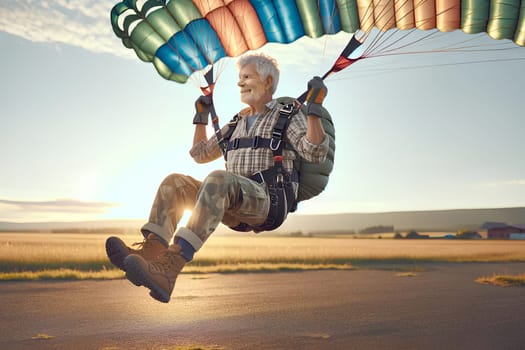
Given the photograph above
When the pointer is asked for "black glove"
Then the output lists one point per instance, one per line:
(202, 110)
(317, 91)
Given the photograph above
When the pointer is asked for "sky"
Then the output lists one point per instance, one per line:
(88, 131)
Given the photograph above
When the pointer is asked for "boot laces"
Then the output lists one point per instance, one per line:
(166, 262)
(140, 245)
(146, 243)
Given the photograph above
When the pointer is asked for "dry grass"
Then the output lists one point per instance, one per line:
(42, 336)
(406, 274)
(254, 249)
(41, 251)
(54, 256)
(61, 274)
(504, 280)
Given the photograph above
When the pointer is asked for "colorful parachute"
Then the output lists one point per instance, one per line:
(181, 37)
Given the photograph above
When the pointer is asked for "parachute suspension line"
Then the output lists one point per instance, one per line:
(499, 47)
(379, 50)
(382, 71)
(399, 42)
(381, 42)
(379, 38)
(492, 46)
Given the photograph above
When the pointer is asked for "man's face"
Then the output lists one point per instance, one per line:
(253, 90)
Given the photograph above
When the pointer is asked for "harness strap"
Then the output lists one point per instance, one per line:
(223, 140)
(249, 142)
(293, 177)
(278, 181)
(218, 134)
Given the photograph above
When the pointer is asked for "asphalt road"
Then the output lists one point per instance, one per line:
(440, 308)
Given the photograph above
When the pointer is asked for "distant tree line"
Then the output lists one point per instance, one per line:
(461, 234)
(377, 229)
(413, 234)
(107, 230)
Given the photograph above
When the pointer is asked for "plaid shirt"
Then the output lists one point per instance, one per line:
(247, 161)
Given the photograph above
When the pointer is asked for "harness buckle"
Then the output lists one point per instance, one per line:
(277, 134)
(287, 109)
(233, 122)
(255, 142)
(235, 144)
(274, 147)
(280, 179)
(258, 177)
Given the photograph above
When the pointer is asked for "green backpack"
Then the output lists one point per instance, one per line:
(313, 177)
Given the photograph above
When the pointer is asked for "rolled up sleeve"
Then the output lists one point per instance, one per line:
(311, 152)
(297, 137)
(206, 151)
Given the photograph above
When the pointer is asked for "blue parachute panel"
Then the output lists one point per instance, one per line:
(269, 20)
(207, 40)
(329, 16)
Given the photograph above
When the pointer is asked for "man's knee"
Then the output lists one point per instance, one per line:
(179, 180)
(218, 178)
(221, 184)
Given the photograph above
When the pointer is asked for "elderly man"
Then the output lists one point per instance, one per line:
(243, 196)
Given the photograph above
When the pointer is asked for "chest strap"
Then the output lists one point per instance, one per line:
(249, 142)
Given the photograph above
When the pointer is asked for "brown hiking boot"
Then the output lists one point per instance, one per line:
(159, 275)
(150, 249)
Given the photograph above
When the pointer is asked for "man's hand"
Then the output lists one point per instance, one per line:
(202, 110)
(317, 91)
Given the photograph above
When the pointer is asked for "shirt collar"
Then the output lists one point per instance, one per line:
(270, 105)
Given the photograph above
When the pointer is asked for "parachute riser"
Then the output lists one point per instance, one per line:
(208, 91)
(342, 62)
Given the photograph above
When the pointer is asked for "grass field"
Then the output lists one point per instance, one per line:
(82, 256)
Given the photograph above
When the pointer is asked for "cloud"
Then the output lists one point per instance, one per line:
(515, 182)
(86, 24)
(79, 23)
(59, 205)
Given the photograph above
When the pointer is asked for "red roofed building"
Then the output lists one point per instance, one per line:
(506, 232)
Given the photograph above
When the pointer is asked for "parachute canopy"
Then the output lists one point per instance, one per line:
(181, 37)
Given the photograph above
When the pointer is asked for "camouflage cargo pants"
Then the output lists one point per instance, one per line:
(221, 197)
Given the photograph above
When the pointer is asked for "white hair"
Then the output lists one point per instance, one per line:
(264, 65)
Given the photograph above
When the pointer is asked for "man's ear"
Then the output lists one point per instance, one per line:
(268, 83)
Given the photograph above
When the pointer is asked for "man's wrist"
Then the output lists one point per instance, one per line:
(314, 109)
(200, 119)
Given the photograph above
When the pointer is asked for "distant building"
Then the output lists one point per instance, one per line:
(492, 224)
(505, 231)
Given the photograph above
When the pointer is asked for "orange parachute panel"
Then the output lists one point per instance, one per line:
(425, 14)
(405, 14)
(384, 14)
(448, 15)
(248, 22)
(230, 35)
(207, 6)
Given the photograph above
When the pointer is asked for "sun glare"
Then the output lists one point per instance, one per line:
(185, 217)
